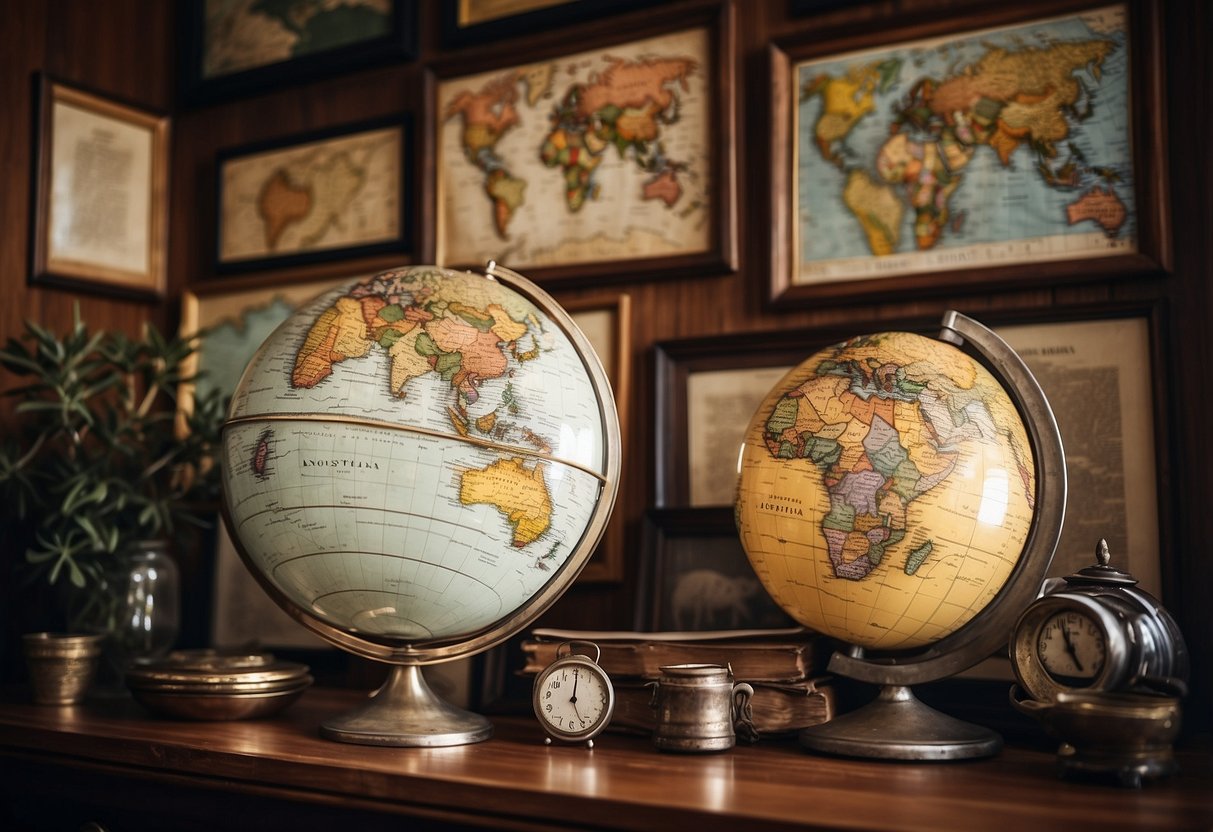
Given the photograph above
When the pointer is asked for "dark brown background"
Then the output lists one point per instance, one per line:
(125, 48)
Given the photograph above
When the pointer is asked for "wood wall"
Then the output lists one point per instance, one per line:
(125, 48)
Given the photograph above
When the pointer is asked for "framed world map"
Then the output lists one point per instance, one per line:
(601, 161)
(329, 195)
(1025, 150)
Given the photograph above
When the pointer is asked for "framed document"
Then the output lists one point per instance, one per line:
(467, 22)
(335, 194)
(606, 161)
(1027, 147)
(100, 193)
(241, 47)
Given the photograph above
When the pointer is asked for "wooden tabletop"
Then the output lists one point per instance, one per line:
(515, 781)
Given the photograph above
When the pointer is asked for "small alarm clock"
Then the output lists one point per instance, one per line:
(1097, 631)
(573, 697)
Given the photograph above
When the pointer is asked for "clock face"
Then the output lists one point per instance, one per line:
(1071, 648)
(573, 700)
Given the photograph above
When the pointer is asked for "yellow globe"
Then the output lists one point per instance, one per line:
(886, 491)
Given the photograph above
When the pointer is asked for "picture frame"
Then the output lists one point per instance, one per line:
(1108, 215)
(228, 50)
(235, 323)
(99, 193)
(472, 22)
(696, 465)
(698, 577)
(265, 212)
(554, 214)
(606, 320)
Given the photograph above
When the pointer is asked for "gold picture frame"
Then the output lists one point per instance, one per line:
(100, 193)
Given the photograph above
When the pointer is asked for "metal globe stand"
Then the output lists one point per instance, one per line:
(896, 725)
(406, 712)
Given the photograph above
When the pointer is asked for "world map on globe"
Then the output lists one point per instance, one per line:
(998, 146)
(886, 491)
(414, 455)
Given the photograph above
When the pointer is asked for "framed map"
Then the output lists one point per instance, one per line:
(330, 195)
(466, 22)
(236, 323)
(969, 156)
(591, 163)
(240, 47)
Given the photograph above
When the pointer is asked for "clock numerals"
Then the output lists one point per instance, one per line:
(1072, 649)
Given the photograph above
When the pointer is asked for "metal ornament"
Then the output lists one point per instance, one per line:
(573, 697)
(1097, 630)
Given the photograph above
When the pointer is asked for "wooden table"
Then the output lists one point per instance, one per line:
(116, 764)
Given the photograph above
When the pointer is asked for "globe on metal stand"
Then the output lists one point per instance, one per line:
(896, 725)
(433, 502)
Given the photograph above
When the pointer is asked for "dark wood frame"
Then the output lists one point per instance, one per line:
(675, 361)
(78, 274)
(716, 17)
(664, 528)
(401, 243)
(1148, 131)
(456, 34)
(399, 44)
(606, 563)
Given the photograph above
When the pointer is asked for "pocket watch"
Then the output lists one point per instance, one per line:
(573, 697)
(1097, 631)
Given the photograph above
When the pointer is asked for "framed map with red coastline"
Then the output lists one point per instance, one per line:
(609, 160)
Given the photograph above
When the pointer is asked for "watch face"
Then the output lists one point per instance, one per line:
(573, 700)
(1071, 648)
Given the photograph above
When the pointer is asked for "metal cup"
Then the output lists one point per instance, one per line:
(61, 667)
(698, 707)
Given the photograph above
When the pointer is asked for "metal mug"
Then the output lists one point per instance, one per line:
(698, 708)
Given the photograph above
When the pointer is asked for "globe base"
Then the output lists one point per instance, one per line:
(405, 712)
(897, 726)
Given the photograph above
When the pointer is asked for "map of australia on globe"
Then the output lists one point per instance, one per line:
(415, 454)
(887, 488)
(580, 158)
(993, 147)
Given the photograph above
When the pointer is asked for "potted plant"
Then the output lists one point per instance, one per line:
(96, 459)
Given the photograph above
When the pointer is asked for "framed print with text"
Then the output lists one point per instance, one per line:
(607, 322)
(1027, 147)
(233, 48)
(608, 161)
(335, 194)
(100, 193)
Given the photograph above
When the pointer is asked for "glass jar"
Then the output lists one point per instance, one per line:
(144, 610)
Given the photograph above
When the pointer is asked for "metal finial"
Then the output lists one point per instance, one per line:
(1102, 554)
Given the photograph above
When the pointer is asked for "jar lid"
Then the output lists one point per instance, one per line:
(1102, 571)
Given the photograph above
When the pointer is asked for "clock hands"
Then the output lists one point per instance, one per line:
(573, 698)
(1065, 634)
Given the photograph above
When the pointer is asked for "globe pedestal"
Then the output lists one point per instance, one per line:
(405, 712)
(897, 726)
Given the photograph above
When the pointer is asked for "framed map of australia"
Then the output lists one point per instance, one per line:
(611, 160)
(328, 195)
(1029, 149)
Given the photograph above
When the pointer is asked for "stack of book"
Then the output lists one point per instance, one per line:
(782, 665)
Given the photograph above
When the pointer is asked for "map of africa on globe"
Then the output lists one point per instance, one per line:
(990, 148)
(415, 455)
(245, 34)
(886, 492)
(579, 158)
(326, 194)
